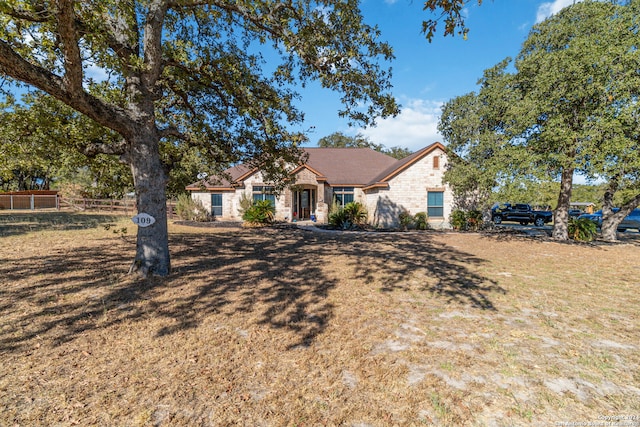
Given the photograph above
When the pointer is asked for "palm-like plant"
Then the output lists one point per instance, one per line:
(261, 212)
(582, 229)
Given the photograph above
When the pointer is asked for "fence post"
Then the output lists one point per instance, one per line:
(33, 202)
(11, 201)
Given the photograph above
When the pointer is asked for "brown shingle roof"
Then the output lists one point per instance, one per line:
(226, 180)
(348, 166)
(338, 166)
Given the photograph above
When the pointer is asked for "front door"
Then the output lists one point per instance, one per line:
(304, 203)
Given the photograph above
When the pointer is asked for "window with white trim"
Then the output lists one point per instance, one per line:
(264, 192)
(343, 195)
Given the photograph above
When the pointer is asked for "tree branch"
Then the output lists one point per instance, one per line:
(152, 42)
(107, 115)
(172, 131)
(118, 32)
(95, 147)
(70, 49)
(40, 13)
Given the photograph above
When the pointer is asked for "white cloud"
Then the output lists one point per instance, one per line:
(548, 9)
(414, 128)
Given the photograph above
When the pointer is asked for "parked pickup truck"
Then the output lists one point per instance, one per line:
(521, 213)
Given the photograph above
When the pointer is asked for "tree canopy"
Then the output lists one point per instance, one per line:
(193, 74)
(570, 106)
(43, 141)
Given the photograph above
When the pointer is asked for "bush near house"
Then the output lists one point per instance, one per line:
(189, 209)
(353, 215)
(262, 212)
(405, 219)
(419, 221)
(462, 220)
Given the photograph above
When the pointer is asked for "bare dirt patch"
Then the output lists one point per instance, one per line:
(294, 327)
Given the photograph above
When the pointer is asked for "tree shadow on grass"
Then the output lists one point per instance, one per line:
(414, 261)
(278, 279)
(18, 223)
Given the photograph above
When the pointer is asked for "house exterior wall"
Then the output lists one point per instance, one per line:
(228, 202)
(231, 199)
(408, 191)
(283, 203)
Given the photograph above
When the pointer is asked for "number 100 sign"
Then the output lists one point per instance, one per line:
(143, 220)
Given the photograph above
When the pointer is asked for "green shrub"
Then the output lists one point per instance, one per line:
(582, 229)
(335, 207)
(353, 214)
(406, 220)
(339, 219)
(261, 212)
(466, 220)
(458, 220)
(421, 221)
(474, 220)
(189, 209)
(356, 212)
(244, 203)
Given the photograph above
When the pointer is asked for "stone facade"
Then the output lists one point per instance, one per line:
(404, 189)
(408, 191)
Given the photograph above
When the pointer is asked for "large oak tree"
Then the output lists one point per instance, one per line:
(192, 72)
(570, 105)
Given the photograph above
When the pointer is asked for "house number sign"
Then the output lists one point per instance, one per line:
(143, 220)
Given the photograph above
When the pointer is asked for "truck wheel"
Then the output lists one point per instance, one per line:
(539, 222)
(497, 219)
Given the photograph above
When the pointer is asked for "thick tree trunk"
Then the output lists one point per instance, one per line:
(609, 227)
(561, 214)
(150, 179)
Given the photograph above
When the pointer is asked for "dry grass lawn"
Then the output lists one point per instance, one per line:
(289, 327)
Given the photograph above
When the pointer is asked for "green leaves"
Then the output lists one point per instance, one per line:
(571, 103)
(452, 15)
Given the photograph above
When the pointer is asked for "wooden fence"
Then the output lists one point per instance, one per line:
(125, 206)
(35, 200)
(30, 200)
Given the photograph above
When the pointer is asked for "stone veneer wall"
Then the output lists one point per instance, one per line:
(231, 199)
(228, 203)
(408, 191)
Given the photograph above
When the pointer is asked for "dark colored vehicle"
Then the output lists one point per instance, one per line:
(575, 213)
(631, 221)
(520, 212)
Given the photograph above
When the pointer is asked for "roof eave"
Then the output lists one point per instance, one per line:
(376, 185)
(426, 151)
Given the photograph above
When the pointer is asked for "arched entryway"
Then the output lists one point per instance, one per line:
(304, 202)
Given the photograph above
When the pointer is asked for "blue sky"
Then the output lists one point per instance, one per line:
(426, 75)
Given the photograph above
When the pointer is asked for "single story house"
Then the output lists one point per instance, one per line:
(385, 185)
